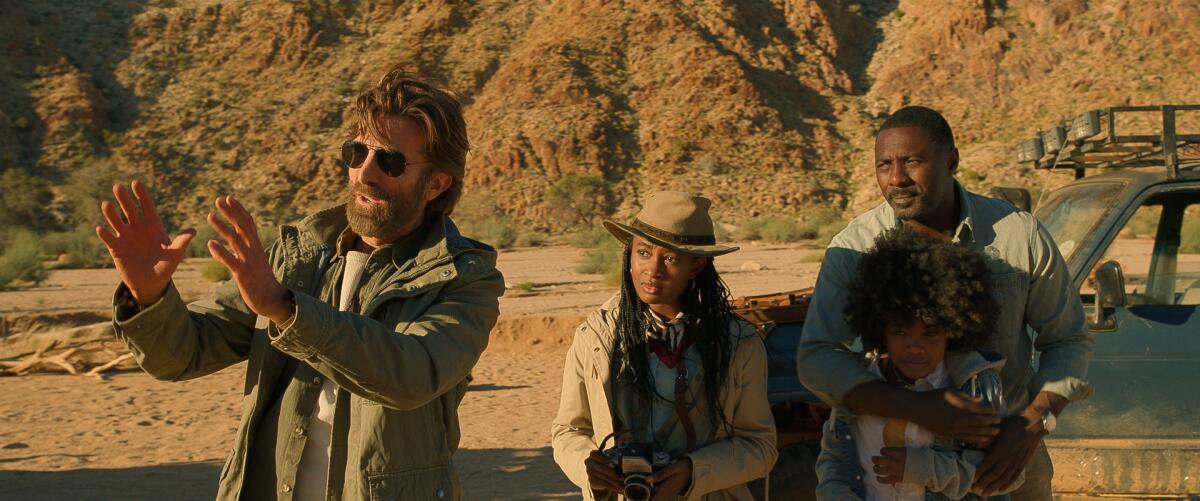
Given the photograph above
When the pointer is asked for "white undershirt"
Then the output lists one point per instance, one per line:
(868, 437)
(313, 470)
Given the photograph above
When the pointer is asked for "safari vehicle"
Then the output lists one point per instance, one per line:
(1128, 228)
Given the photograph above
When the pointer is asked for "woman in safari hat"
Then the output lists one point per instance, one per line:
(664, 375)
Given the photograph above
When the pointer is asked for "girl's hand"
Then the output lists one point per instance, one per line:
(889, 465)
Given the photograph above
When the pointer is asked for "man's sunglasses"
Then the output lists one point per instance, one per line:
(391, 163)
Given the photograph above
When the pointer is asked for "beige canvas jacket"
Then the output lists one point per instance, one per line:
(721, 467)
(401, 360)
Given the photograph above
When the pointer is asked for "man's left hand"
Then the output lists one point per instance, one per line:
(1009, 453)
(247, 261)
(672, 481)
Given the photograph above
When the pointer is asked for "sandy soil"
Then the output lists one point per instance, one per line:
(131, 437)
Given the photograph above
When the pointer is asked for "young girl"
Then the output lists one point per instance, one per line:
(666, 364)
(922, 307)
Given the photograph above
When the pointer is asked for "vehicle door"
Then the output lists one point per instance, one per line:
(1140, 432)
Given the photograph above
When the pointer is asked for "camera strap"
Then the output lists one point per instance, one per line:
(681, 407)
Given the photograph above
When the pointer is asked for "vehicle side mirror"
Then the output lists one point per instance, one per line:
(1019, 197)
(1110, 293)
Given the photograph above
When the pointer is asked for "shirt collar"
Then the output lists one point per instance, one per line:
(939, 378)
(964, 231)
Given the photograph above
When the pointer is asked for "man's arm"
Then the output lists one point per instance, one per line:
(1054, 311)
(824, 362)
(403, 366)
(172, 341)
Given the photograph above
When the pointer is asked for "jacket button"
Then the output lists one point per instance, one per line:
(317, 380)
(445, 273)
(287, 488)
(300, 283)
(441, 494)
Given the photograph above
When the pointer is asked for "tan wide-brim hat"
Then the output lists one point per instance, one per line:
(674, 220)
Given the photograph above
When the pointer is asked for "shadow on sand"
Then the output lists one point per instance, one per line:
(486, 474)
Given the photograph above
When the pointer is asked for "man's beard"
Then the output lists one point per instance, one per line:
(385, 220)
(914, 207)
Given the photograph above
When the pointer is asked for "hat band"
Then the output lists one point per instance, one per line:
(673, 238)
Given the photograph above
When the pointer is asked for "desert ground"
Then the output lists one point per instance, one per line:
(131, 437)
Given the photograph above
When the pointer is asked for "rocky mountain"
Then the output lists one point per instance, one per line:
(767, 106)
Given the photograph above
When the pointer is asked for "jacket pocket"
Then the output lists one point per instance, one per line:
(435, 482)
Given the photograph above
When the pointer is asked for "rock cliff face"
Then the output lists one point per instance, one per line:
(762, 105)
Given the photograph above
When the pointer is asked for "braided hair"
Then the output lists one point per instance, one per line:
(706, 304)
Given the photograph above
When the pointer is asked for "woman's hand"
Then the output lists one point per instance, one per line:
(602, 474)
(673, 480)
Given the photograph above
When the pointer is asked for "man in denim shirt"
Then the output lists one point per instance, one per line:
(915, 161)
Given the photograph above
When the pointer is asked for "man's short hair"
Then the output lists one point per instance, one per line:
(930, 121)
(909, 276)
(440, 115)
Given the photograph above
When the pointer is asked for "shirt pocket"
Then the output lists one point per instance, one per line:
(1009, 289)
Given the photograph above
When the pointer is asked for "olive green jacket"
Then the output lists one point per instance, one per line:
(401, 361)
(721, 466)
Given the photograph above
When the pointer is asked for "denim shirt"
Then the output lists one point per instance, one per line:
(946, 469)
(1029, 280)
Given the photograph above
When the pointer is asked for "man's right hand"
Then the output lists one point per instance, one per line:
(949, 413)
(602, 475)
(946, 412)
(143, 254)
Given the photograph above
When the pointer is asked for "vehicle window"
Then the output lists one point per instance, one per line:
(1134, 247)
(1187, 286)
(1072, 213)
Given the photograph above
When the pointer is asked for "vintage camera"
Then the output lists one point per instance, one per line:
(635, 462)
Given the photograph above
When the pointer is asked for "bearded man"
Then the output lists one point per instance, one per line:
(361, 323)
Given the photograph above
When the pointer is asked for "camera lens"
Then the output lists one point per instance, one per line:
(637, 488)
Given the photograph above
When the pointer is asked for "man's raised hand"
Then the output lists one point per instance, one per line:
(143, 254)
(247, 261)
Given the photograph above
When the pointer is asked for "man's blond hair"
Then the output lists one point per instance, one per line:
(439, 113)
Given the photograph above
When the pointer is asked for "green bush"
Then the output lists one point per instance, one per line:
(525, 287)
(24, 201)
(776, 229)
(479, 217)
(79, 248)
(88, 185)
(604, 259)
(578, 198)
(199, 245)
(527, 238)
(820, 225)
(21, 258)
(215, 272)
(591, 237)
(496, 231)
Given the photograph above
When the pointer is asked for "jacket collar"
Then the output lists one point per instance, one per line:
(440, 240)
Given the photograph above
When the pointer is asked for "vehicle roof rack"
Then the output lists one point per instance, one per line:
(1091, 140)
